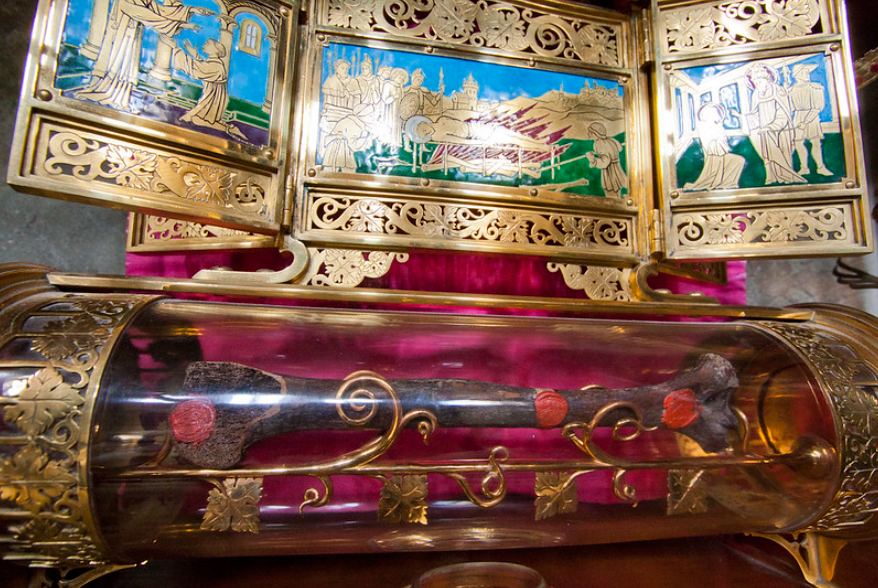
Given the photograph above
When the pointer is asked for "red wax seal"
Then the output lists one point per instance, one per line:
(192, 421)
(551, 409)
(682, 408)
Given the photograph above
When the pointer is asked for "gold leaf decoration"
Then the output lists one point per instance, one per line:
(687, 493)
(57, 348)
(234, 504)
(403, 500)
(45, 398)
(123, 169)
(130, 167)
(556, 495)
(40, 481)
(32, 480)
(524, 29)
(727, 24)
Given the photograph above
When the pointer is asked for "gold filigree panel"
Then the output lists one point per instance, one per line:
(42, 480)
(155, 233)
(731, 230)
(850, 385)
(347, 268)
(410, 222)
(508, 26)
(99, 165)
(598, 282)
(714, 25)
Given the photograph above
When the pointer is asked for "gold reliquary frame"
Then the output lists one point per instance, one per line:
(759, 149)
(500, 165)
(686, 131)
(122, 105)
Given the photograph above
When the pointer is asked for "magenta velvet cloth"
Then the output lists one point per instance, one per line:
(434, 271)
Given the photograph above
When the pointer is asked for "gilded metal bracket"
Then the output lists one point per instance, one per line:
(286, 275)
(815, 554)
(598, 282)
(641, 289)
(41, 578)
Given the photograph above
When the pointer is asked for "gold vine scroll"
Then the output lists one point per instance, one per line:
(500, 25)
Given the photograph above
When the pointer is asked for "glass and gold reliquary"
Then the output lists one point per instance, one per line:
(499, 158)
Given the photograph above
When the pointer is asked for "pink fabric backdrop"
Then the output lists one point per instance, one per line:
(435, 271)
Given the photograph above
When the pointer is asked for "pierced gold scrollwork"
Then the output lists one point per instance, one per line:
(233, 505)
(94, 159)
(159, 233)
(728, 229)
(856, 403)
(163, 230)
(486, 23)
(447, 223)
(724, 24)
(598, 282)
(42, 476)
(347, 267)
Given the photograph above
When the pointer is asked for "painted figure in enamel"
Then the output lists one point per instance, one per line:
(761, 123)
(397, 113)
(143, 57)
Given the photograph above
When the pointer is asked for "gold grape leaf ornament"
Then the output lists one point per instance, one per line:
(556, 495)
(403, 500)
(45, 398)
(233, 504)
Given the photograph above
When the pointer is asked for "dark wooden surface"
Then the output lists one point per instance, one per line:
(719, 562)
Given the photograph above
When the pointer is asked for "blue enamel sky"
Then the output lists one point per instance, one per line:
(248, 75)
(496, 83)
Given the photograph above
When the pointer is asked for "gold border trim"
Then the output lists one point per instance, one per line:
(692, 307)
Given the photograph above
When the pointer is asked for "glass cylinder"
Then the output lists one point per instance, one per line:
(141, 427)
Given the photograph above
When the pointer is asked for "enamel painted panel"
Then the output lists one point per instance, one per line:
(752, 124)
(397, 113)
(449, 149)
(203, 65)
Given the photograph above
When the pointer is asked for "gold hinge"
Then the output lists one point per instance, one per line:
(644, 29)
(287, 220)
(656, 233)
